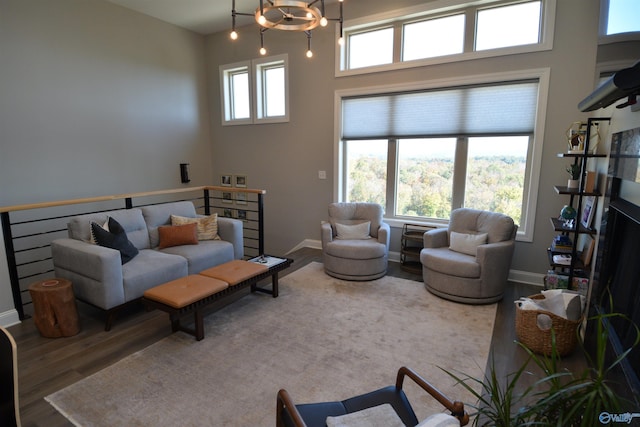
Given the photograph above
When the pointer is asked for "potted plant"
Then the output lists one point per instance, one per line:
(574, 171)
(559, 397)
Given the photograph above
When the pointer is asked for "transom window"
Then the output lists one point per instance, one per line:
(412, 37)
(619, 20)
(255, 91)
(423, 152)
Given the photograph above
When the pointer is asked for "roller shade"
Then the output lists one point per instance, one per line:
(499, 109)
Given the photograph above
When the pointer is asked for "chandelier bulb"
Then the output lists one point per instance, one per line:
(323, 22)
(341, 41)
(263, 51)
(262, 20)
(233, 35)
(309, 54)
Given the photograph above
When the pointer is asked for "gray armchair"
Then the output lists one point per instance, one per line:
(355, 241)
(469, 261)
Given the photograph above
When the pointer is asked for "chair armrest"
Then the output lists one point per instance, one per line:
(230, 230)
(93, 261)
(437, 238)
(95, 271)
(384, 234)
(286, 403)
(456, 407)
(326, 233)
(496, 261)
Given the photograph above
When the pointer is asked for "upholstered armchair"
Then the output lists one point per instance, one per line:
(469, 261)
(355, 241)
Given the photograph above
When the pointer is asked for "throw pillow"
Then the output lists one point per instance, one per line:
(466, 243)
(105, 226)
(207, 225)
(177, 235)
(440, 420)
(377, 416)
(115, 238)
(353, 231)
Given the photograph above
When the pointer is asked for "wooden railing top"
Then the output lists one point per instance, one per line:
(51, 204)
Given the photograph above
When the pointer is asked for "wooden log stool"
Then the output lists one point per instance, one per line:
(54, 308)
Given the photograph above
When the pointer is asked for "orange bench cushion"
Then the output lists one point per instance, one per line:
(234, 272)
(185, 290)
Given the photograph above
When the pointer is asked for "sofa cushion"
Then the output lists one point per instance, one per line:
(207, 225)
(157, 215)
(205, 254)
(150, 268)
(131, 220)
(115, 238)
(177, 235)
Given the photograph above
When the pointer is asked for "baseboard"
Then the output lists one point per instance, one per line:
(514, 275)
(9, 318)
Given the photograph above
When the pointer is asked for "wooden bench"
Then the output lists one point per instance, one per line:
(193, 293)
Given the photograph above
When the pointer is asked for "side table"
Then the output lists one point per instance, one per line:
(54, 308)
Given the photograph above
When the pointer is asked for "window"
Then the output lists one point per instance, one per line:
(235, 87)
(433, 37)
(421, 36)
(255, 91)
(371, 48)
(619, 17)
(505, 26)
(422, 152)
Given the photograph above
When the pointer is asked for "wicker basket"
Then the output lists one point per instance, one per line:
(538, 340)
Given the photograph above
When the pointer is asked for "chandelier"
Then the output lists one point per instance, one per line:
(287, 15)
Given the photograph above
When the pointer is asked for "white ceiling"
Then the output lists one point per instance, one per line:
(201, 16)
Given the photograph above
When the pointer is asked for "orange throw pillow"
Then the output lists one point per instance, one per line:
(176, 235)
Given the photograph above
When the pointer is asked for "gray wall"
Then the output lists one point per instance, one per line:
(96, 100)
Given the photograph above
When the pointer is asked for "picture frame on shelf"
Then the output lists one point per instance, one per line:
(588, 211)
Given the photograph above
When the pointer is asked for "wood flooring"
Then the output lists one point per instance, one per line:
(46, 365)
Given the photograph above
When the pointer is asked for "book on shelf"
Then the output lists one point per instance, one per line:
(562, 243)
(555, 280)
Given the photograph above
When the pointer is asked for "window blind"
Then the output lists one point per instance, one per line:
(498, 109)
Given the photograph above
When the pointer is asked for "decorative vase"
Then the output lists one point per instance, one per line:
(573, 183)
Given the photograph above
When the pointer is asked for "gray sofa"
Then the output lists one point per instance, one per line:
(101, 279)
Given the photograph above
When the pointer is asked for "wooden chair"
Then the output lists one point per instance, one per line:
(9, 409)
(315, 414)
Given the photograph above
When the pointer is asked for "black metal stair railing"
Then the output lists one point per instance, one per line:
(29, 229)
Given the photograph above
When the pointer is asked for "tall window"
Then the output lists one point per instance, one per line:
(236, 88)
(255, 91)
(423, 152)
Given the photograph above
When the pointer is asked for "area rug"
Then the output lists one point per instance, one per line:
(321, 339)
